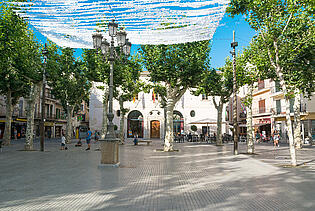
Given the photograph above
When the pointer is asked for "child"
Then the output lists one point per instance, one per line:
(79, 144)
(135, 141)
(63, 142)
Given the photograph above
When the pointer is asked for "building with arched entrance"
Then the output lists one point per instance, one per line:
(146, 118)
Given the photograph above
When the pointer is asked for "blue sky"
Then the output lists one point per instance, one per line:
(220, 43)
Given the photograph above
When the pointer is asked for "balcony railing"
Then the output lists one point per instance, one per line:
(50, 116)
(278, 110)
(261, 110)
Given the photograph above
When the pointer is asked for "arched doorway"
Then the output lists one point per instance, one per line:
(135, 124)
(178, 123)
(155, 129)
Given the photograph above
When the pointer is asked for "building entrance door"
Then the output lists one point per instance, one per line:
(155, 129)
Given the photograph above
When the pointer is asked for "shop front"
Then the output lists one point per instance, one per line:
(263, 126)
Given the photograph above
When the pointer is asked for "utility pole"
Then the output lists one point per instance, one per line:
(233, 45)
(42, 123)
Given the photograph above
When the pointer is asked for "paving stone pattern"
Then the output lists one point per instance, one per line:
(198, 177)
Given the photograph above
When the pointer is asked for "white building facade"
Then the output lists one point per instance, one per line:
(146, 117)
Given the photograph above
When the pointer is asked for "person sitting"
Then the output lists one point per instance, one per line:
(79, 144)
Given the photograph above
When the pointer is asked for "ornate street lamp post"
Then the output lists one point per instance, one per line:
(42, 122)
(235, 127)
(109, 146)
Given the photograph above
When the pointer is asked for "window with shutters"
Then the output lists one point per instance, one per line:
(262, 108)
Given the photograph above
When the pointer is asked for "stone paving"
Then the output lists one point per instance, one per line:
(198, 177)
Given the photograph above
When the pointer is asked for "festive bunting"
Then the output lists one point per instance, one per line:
(71, 23)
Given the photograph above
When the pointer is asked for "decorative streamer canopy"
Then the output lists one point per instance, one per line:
(70, 23)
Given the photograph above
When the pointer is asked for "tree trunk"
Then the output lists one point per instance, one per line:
(30, 117)
(297, 120)
(69, 124)
(249, 123)
(9, 111)
(169, 133)
(164, 134)
(287, 103)
(122, 121)
(172, 97)
(219, 120)
(289, 131)
(105, 110)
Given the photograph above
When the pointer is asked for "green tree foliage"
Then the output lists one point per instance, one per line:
(68, 79)
(19, 59)
(286, 36)
(220, 84)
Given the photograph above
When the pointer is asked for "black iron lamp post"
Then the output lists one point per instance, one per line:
(235, 126)
(109, 146)
(42, 123)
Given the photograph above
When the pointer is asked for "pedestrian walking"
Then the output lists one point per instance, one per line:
(257, 137)
(276, 138)
(96, 136)
(88, 139)
(63, 143)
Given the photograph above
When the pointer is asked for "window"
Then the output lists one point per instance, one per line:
(277, 86)
(278, 106)
(51, 110)
(35, 113)
(261, 84)
(47, 110)
(204, 97)
(21, 108)
(262, 108)
(291, 105)
(57, 113)
(82, 107)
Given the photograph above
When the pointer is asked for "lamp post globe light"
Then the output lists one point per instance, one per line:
(109, 146)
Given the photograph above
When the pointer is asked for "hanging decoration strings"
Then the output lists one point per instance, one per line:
(70, 23)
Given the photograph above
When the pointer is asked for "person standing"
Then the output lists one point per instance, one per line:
(63, 142)
(135, 140)
(257, 137)
(97, 136)
(15, 134)
(88, 139)
(276, 138)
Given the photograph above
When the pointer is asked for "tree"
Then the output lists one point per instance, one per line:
(218, 83)
(98, 71)
(285, 28)
(69, 82)
(19, 61)
(127, 73)
(175, 68)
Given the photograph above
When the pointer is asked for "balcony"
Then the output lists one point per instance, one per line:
(281, 110)
(50, 116)
(262, 111)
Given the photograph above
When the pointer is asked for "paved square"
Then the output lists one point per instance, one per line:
(198, 177)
